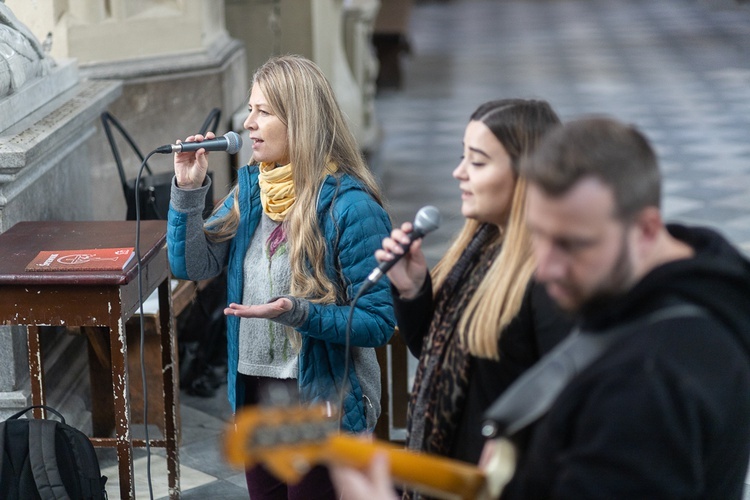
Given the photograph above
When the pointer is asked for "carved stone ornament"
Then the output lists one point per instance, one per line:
(22, 58)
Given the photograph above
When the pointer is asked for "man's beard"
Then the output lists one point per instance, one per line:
(615, 284)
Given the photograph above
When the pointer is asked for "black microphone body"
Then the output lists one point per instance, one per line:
(427, 220)
(386, 266)
(231, 142)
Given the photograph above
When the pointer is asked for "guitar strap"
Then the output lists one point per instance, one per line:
(532, 395)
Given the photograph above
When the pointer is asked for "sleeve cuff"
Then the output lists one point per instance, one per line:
(297, 316)
(185, 200)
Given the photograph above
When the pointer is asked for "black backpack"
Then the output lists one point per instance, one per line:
(46, 459)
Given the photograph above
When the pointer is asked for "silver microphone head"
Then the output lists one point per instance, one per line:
(234, 142)
(427, 220)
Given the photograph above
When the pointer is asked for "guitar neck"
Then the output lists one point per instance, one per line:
(288, 441)
(436, 476)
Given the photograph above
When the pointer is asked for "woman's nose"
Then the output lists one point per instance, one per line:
(459, 172)
(249, 122)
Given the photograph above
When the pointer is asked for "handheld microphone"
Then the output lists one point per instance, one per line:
(231, 142)
(426, 221)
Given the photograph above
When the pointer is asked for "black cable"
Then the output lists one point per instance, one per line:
(210, 123)
(142, 321)
(347, 342)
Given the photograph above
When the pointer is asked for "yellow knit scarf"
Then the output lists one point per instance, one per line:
(276, 190)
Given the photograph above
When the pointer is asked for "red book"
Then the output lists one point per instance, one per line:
(95, 259)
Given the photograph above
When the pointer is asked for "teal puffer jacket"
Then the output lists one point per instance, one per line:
(353, 225)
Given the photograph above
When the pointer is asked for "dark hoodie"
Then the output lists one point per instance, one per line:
(665, 412)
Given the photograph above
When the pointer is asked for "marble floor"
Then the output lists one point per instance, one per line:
(677, 69)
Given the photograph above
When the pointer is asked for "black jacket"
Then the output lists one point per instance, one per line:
(538, 326)
(665, 411)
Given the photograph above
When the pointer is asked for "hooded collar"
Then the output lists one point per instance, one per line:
(717, 278)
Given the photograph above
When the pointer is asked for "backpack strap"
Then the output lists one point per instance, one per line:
(532, 395)
(43, 460)
(18, 415)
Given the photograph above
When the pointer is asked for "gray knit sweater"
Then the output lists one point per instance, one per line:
(265, 349)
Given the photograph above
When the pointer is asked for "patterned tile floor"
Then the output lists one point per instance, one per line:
(678, 69)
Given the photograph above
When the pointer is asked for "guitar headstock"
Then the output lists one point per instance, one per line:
(287, 440)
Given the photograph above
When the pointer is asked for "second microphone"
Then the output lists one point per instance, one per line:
(426, 221)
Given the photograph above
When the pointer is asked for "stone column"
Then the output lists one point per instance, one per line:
(333, 33)
(359, 19)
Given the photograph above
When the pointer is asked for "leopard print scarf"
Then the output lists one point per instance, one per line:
(442, 376)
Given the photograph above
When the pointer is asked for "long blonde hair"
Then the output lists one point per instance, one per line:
(298, 93)
(517, 124)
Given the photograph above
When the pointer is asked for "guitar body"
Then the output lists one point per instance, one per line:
(290, 441)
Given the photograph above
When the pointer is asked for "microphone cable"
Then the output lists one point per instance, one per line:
(211, 121)
(142, 323)
(426, 221)
(347, 344)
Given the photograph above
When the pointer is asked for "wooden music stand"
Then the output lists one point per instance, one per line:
(95, 299)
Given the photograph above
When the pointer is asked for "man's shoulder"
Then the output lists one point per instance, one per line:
(689, 357)
(680, 329)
